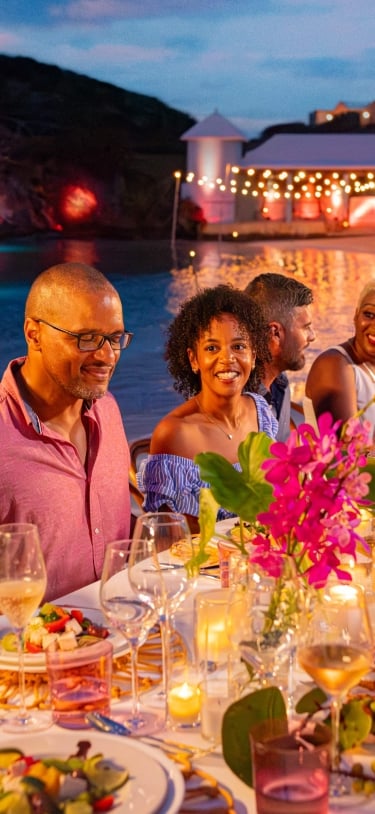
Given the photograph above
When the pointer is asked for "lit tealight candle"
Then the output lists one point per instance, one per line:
(184, 703)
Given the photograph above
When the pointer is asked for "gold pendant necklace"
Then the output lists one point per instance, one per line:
(228, 435)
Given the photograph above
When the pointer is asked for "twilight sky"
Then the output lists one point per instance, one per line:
(258, 62)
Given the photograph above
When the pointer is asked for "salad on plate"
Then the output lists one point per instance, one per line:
(67, 627)
(76, 785)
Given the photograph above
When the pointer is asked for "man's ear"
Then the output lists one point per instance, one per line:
(31, 331)
(276, 330)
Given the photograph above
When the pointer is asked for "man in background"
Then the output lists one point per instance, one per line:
(286, 307)
(64, 453)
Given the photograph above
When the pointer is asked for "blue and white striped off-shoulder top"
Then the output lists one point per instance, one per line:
(175, 481)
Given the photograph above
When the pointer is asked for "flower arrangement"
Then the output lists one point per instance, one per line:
(304, 497)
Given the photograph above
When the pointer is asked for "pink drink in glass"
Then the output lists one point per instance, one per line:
(290, 771)
(80, 682)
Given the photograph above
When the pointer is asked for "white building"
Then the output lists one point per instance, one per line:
(214, 145)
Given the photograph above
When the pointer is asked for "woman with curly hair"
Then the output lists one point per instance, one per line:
(215, 351)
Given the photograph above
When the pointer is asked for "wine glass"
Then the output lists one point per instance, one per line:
(156, 575)
(335, 649)
(23, 581)
(133, 618)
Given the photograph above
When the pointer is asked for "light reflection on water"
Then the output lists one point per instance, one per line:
(152, 291)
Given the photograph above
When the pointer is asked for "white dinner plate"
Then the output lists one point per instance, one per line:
(155, 783)
(223, 526)
(36, 662)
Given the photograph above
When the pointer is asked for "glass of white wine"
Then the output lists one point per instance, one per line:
(23, 581)
(336, 650)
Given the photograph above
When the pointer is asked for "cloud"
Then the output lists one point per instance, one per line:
(98, 10)
(8, 39)
(257, 61)
(329, 67)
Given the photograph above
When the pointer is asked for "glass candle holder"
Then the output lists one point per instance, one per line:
(216, 696)
(211, 636)
(184, 698)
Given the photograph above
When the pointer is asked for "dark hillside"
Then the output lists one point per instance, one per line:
(61, 132)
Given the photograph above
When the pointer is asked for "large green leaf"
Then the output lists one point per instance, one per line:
(370, 467)
(244, 493)
(239, 718)
(251, 453)
(207, 520)
(313, 701)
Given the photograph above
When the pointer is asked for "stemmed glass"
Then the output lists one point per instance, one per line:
(23, 581)
(335, 648)
(156, 575)
(133, 618)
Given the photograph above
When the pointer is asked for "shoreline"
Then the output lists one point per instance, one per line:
(348, 242)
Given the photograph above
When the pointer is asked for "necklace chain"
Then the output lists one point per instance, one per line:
(228, 435)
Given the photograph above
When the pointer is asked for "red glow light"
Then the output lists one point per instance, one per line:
(79, 203)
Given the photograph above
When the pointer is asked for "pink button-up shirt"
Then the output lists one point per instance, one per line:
(43, 481)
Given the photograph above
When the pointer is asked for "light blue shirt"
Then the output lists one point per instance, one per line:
(175, 481)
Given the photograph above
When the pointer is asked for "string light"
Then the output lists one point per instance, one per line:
(285, 185)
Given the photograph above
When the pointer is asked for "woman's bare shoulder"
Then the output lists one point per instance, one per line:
(329, 361)
(171, 434)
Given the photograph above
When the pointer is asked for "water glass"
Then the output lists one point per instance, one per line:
(290, 770)
(80, 682)
(216, 696)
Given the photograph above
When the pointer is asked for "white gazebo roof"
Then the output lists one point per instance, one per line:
(318, 151)
(214, 126)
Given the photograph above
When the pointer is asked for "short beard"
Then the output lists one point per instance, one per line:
(85, 393)
(296, 364)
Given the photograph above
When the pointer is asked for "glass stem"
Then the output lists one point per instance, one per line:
(134, 679)
(21, 675)
(165, 631)
(335, 718)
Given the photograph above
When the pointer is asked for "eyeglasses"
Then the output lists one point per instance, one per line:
(92, 341)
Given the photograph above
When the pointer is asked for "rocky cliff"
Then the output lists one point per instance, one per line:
(83, 155)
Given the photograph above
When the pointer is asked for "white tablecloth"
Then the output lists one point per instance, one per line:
(214, 764)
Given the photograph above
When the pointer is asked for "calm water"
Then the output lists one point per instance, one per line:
(152, 286)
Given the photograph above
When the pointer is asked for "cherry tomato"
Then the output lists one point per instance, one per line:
(104, 804)
(77, 614)
(33, 648)
(58, 624)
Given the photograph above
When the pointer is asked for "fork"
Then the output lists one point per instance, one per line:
(106, 724)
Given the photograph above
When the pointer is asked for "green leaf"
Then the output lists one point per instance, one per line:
(355, 723)
(252, 452)
(239, 718)
(207, 519)
(370, 467)
(244, 493)
(207, 516)
(312, 702)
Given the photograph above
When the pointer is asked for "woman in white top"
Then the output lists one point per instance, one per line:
(342, 378)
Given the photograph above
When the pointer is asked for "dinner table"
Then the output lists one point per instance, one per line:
(231, 794)
(212, 763)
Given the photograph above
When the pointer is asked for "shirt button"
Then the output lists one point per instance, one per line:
(97, 531)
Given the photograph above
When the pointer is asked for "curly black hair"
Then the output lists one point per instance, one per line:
(195, 316)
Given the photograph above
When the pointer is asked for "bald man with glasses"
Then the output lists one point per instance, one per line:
(64, 452)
